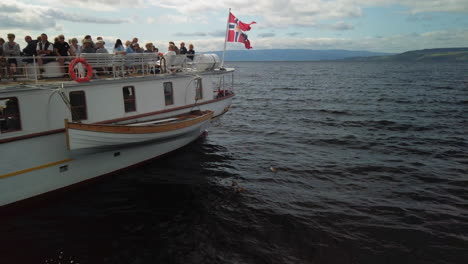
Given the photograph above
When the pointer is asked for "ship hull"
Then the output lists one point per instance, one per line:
(72, 169)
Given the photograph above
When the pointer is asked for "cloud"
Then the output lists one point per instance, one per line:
(419, 17)
(26, 16)
(57, 14)
(293, 34)
(194, 34)
(9, 9)
(342, 26)
(278, 13)
(422, 6)
(97, 5)
(395, 43)
(219, 33)
(306, 13)
(266, 35)
(178, 19)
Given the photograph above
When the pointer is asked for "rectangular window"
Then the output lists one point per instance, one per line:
(168, 93)
(129, 98)
(9, 115)
(198, 89)
(78, 105)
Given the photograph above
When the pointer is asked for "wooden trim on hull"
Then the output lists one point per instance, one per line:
(61, 130)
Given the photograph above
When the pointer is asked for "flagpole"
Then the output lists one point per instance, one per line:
(225, 38)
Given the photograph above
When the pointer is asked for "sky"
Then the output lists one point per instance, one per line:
(374, 25)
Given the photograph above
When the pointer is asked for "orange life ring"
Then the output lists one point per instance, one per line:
(71, 70)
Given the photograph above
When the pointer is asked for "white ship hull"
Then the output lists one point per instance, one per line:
(36, 160)
(70, 170)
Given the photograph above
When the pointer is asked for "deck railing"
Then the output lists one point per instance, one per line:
(107, 65)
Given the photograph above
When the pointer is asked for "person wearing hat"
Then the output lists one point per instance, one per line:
(87, 46)
(88, 37)
(100, 47)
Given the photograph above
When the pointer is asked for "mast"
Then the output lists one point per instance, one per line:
(225, 39)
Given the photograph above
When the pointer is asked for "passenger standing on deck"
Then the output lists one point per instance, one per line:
(183, 49)
(137, 49)
(11, 50)
(149, 47)
(88, 46)
(118, 47)
(93, 45)
(44, 49)
(30, 49)
(170, 51)
(2, 41)
(191, 51)
(61, 50)
(74, 47)
(100, 47)
(176, 49)
(129, 48)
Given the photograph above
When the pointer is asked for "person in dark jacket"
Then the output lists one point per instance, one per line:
(30, 49)
(183, 49)
(62, 49)
(190, 52)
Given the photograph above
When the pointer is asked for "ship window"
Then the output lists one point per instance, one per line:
(198, 89)
(78, 105)
(129, 98)
(9, 115)
(168, 93)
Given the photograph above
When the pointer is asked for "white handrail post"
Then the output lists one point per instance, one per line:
(35, 67)
(225, 38)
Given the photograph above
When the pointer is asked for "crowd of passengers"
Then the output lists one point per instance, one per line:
(60, 50)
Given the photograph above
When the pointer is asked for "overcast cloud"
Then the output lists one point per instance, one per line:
(314, 24)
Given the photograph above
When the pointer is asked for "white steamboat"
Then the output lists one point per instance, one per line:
(39, 114)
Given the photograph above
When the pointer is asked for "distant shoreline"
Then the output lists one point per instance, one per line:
(352, 61)
(298, 55)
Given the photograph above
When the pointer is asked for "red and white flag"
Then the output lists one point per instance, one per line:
(236, 31)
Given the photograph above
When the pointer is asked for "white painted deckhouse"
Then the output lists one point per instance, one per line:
(56, 131)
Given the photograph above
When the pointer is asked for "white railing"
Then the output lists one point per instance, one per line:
(106, 65)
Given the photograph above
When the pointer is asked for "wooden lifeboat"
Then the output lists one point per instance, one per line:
(95, 136)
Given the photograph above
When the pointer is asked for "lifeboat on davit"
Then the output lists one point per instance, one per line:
(98, 136)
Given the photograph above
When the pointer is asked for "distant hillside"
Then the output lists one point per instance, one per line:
(293, 54)
(442, 54)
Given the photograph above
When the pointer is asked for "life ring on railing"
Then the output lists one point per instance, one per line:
(71, 70)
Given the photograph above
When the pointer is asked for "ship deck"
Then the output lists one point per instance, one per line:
(106, 68)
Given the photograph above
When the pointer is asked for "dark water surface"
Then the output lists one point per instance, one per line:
(317, 162)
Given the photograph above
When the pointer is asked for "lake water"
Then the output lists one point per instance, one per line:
(316, 162)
